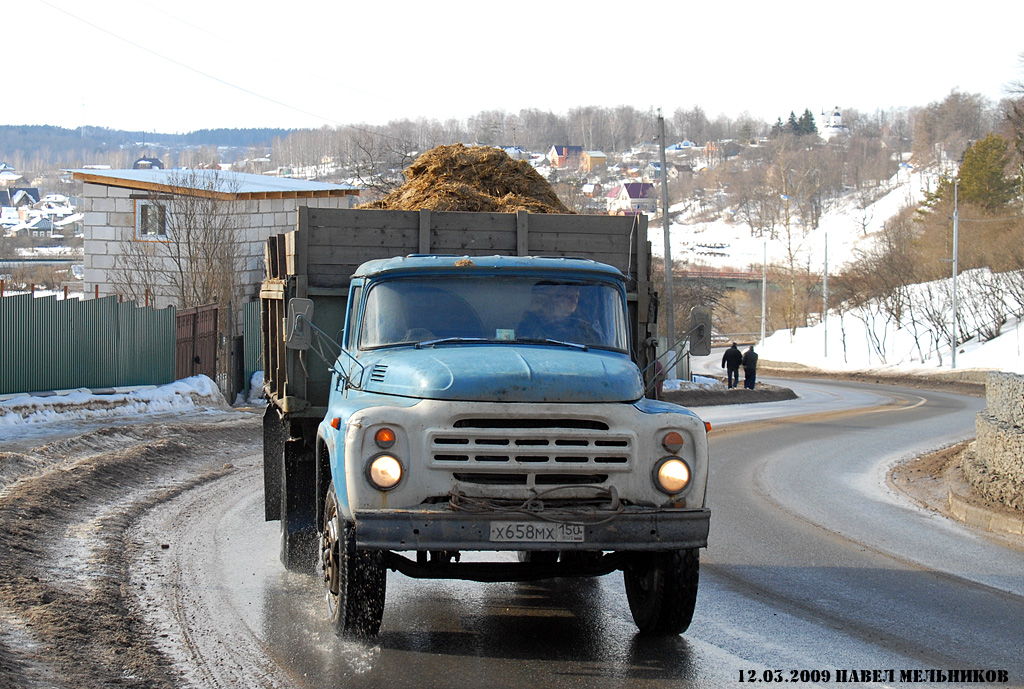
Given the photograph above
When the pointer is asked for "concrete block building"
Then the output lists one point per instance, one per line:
(124, 207)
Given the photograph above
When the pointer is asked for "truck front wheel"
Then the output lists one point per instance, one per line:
(355, 581)
(661, 589)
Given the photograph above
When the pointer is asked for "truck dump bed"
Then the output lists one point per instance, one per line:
(317, 260)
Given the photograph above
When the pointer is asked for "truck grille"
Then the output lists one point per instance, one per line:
(569, 446)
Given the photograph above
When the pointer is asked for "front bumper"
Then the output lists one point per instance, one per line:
(634, 529)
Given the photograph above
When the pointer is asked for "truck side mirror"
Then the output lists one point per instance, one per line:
(299, 326)
(700, 331)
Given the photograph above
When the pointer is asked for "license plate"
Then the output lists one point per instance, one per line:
(536, 532)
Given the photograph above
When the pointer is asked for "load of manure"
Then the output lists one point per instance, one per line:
(475, 179)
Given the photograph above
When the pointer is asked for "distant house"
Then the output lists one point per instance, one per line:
(20, 198)
(631, 198)
(8, 175)
(41, 227)
(9, 217)
(565, 156)
(652, 171)
(682, 146)
(515, 152)
(591, 161)
(121, 207)
(15, 204)
(147, 164)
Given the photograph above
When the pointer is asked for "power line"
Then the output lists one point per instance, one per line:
(213, 77)
(331, 82)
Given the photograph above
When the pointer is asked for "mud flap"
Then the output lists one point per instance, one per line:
(274, 431)
(298, 507)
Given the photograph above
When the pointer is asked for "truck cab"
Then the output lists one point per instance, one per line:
(493, 405)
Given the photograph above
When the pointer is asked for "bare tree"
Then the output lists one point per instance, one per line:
(186, 249)
(378, 160)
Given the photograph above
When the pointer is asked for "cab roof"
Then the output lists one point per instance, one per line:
(432, 262)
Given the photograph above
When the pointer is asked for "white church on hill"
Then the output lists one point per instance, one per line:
(835, 126)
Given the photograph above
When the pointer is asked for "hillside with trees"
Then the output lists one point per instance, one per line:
(39, 149)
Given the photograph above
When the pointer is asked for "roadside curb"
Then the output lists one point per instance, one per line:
(964, 509)
(721, 395)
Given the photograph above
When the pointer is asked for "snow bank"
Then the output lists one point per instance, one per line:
(197, 393)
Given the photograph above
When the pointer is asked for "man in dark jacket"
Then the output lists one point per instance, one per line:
(731, 361)
(749, 368)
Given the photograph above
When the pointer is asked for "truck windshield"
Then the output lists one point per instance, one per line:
(494, 309)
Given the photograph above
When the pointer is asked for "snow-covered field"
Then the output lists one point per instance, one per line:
(726, 243)
(854, 343)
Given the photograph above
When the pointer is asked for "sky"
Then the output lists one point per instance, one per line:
(177, 67)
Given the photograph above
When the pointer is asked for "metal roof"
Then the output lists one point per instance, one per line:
(216, 182)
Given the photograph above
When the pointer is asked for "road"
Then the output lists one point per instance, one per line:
(813, 565)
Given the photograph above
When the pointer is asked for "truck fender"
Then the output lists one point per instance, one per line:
(326, 461)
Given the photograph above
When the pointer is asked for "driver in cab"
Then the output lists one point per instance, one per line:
(553, 315)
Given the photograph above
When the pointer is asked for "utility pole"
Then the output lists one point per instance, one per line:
(670, 317)
(956, 257)
(764, 290)
(824, 297)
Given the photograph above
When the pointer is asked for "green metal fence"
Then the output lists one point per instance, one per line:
(252, 342)
(51, 344)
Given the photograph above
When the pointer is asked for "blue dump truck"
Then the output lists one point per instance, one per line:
(444, 383)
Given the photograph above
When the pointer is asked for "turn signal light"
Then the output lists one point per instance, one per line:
(384, 437)
(673, 442)
(335, 424)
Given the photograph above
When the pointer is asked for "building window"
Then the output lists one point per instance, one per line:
(150, 220)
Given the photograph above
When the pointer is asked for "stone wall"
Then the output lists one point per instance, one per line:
(995, 467)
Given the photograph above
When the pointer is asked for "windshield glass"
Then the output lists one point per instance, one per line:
(494, 308)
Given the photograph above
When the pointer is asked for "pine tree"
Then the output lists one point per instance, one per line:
(983, 179)
(806, 123)
(792, 125)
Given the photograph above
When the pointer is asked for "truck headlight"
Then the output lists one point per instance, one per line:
(384, 472)
(671, 475)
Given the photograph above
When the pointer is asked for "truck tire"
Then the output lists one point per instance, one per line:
(355, 581)
(661, 589)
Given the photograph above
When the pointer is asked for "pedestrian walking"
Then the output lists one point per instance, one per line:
(749, 368)
(731, 361)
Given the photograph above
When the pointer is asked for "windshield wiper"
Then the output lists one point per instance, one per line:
(449, 340)
(484, 340)
(549, 341)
